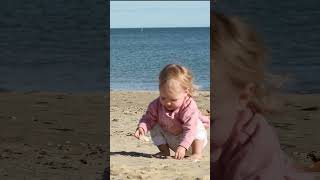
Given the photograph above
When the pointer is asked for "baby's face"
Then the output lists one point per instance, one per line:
(172, 95)
(226, 103)
(226, 97)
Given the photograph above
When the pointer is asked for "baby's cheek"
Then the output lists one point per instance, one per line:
(177, 103)
(161, 102)
(225, 110)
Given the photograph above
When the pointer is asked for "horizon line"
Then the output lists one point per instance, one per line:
(159, 27)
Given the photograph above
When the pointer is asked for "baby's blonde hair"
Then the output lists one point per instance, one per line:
(179, 73)
(238, 45)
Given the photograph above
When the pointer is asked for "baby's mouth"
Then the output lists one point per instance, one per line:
(170, 108)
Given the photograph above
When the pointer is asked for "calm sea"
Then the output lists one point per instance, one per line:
(53, 45)
(291, 31)
(61, 46)
(138, 55)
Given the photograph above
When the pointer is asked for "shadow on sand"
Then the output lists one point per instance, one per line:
(132, 154)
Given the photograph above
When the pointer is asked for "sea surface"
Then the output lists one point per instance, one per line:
(139, 54)
(63, 46)
(291, 30)
(53, 45)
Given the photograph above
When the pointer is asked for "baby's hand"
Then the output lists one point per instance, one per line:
(180, 152)
(139, 132)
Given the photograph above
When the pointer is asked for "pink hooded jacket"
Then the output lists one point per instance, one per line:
(182, 120)
(252, 152)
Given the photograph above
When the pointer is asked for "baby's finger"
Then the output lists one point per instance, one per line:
(137, 134)
(141, 132)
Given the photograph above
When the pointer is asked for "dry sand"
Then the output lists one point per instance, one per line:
(52, 136)
(64, 136)
(130, 158)
(297, 127)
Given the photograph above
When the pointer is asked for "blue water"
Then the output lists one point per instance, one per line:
(53, 45)
(291, 32)
(138, 55)
(62, 46)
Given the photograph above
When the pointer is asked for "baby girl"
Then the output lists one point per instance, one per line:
(173, 118)
(244, 145)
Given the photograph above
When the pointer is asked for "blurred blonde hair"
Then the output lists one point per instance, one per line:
(179, 73)
(243, 52)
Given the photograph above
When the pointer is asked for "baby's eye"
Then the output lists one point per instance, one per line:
(163, 98)
(174, 100)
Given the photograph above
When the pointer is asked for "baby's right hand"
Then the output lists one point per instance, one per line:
(139, 132)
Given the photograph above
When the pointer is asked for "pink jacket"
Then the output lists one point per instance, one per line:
(182, 120)
(252, 152)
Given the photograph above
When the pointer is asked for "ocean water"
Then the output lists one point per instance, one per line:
(53, 45)
(62, 45)
(291, 32)
(137, 55)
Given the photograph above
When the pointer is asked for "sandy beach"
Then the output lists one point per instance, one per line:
(297, 126)
(130, 158)
(52, 136)
(64, 136)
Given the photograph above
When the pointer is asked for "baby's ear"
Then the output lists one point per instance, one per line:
(187, 91)
(250, 90)
(247, 94)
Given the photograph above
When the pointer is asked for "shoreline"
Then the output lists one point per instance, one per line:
(125, 90)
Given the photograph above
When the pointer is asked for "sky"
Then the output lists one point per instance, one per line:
(138, 14)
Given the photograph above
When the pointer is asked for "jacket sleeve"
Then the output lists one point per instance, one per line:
(205, 120)
(149, 119)
(189, 117)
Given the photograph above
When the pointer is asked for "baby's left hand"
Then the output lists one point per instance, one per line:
(180, 152)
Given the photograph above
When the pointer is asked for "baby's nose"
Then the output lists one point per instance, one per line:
(168, 103)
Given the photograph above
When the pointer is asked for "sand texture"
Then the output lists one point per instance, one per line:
(298, 126)
(64, 136)
(52, 136)
(130, 157)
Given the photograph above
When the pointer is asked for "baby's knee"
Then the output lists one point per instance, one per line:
(157, 135)
(201, 137)
(156, 130)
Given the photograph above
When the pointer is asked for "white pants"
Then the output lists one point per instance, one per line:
(160, 136)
